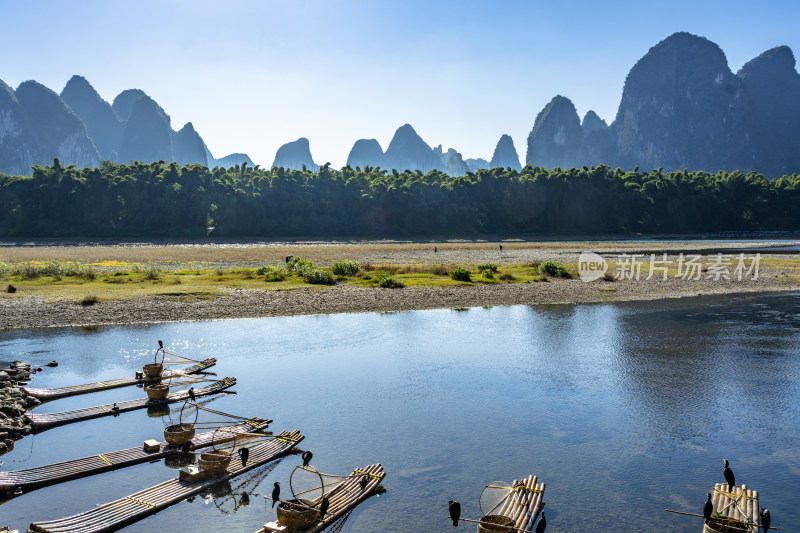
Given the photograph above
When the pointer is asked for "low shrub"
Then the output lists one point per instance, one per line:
(89, 299)
(4, 269)
(299, 266)
(609, 276)
(345, 268)
(439, 270)
(554, 269)
(272, 273)
(152, 273)
(506, 277)
(390, 282)
(487, 266)
(316, 276)
(487, 273)
(27, 271)
(460, 274)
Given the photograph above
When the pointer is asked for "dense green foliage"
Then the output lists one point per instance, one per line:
(166, 200)
(460, 274)
(553, 268)
(345, 268)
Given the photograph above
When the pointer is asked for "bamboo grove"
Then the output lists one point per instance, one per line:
(165, 200)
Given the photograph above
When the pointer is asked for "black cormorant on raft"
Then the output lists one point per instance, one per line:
(729, 477)
(507, 508)
(320, 499)
(125, 511)
(731, 509)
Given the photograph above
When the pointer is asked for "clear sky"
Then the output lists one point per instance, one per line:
(252, 75)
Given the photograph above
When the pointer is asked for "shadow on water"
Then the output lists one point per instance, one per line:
(622, 409)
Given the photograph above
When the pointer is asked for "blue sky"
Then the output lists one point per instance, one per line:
(252, 75)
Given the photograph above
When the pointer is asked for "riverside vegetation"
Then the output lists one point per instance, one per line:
(90, 284)
(168, 200)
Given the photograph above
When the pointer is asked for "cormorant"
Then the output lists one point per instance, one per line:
(187, 446)
(363, 482)
(276, 493)
(455, 511)
(765, 519)
(191, 394)
(244, 454)
(307, 455)
(501, 247)
(540, 527)
(160, 345)
(115, 410)
(323, 507)
(729, 477)
(708, 508)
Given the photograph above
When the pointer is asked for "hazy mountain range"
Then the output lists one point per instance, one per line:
(681, 107)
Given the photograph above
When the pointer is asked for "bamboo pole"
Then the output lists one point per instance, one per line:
(699, 516)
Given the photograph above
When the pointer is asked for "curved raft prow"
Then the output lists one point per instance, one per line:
(507, 508)
(734, 511)
(354, 489)
(524, 503)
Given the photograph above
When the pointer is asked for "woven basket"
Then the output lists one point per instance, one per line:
(157, 391)
(494, 523)
(153, 370)
(214, 462)
(295, 516)
(717, 525)
(178, 434)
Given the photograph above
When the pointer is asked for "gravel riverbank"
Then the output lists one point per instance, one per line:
(18, 311)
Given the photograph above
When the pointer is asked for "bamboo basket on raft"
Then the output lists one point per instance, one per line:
(217, 460)
(155, 369)
(182, 432)
(295, 516)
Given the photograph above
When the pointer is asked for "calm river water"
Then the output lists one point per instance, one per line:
(623, 410)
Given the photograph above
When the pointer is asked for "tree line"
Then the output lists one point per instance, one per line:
(167, 200)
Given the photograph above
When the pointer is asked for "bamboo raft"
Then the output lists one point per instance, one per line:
(46, 395)
(125, 511)
(43, 421)
(43, 476)
(523, 504)
(343, 498)
(735, 511)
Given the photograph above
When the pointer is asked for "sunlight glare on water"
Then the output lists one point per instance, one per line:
(623, 410)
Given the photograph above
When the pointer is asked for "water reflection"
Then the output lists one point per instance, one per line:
(622, 409)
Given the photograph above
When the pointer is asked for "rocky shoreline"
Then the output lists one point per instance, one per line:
(14, 402)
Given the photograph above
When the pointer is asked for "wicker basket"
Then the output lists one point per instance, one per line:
(153, 370)
(214, 462)
(495, 523)
(719, 525)
(296, 516)
(178, 434)
(157, 391)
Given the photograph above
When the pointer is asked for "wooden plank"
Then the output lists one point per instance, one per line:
(43, 421)
(115, 515)
(74, 390)
(42, 476)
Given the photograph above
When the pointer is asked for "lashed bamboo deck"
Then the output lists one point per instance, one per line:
(120, 513)
(524, 503)
(739, 505)
(63, 392)
(43, 421)
(346, 496)
(43, 476)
